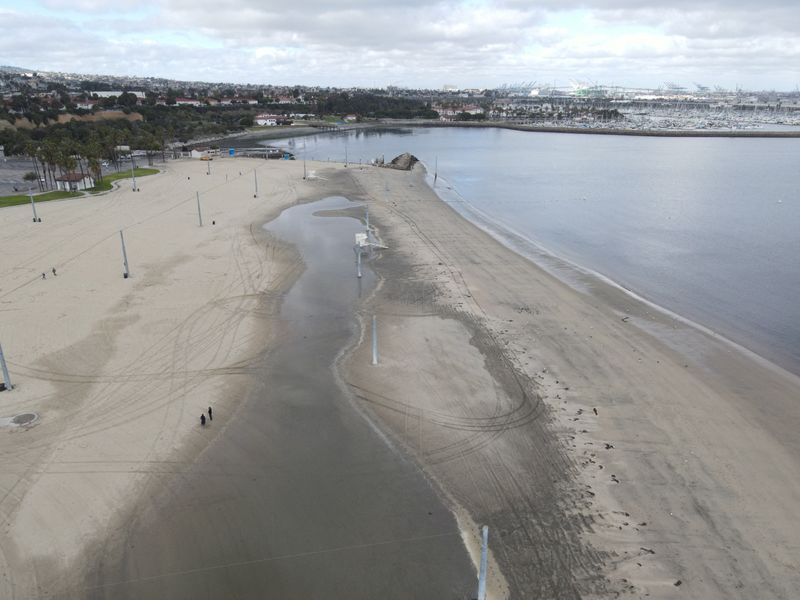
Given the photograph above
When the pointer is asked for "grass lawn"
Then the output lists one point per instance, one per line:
(105, 185)
(25, 199)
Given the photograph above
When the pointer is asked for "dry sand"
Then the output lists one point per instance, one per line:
(490, 374)
(611, 449)
(119, 370)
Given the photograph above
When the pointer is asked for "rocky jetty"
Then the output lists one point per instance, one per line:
(404, 162)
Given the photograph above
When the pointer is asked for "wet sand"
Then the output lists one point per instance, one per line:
(297, 496)
(115, 490)
(611, 448)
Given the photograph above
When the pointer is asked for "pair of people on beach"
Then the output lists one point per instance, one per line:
(203, 417)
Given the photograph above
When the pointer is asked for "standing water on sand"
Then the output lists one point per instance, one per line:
(707, 228)
(316, 503)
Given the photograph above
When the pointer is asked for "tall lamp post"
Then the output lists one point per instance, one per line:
(133, 172)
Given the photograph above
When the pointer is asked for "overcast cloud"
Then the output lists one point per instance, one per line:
(755, 44)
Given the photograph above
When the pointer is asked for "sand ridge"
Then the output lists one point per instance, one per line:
(605, 460)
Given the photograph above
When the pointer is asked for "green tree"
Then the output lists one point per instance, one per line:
(127, 99)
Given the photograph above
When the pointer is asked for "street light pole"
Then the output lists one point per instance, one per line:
(484, 563)
(374, 341)
(6, 378)
(133, 173)
(126, 273)
(36, 219)
(199, 213)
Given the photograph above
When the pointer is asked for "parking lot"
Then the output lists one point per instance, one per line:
(13, 169)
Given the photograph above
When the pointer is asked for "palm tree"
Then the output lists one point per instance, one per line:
(31, 151)
(92, 152)
(48, 154)
(95, 169)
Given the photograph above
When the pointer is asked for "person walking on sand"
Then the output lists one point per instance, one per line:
(202, 420)
(44, 276)
(54, 271)
(210, 415)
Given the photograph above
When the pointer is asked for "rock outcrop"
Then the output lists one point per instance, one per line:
(404, 162)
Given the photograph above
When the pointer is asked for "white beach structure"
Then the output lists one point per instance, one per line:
(269, 120)
(72, 182)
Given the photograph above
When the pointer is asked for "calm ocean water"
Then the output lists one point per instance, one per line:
(707, 228)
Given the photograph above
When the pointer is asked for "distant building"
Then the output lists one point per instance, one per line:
(270, 120)
(203, 152)
(187, 102)
(72, 182)
(117, 94)
(238, 100)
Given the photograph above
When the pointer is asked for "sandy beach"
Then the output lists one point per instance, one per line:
(119, 370)
(612, 449)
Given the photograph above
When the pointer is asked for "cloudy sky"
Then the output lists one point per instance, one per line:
(413, 43)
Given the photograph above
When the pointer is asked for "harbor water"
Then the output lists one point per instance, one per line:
(708, 228)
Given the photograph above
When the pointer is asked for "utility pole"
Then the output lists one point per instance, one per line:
(6, 377)
(133, 173)
(36, 219)
(255, 178)
(208, 162)
(199, 213)
(126, 273)
(435, 171)
(484, 563)
(374, 341)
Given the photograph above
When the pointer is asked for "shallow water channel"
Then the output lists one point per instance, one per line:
(299, 497)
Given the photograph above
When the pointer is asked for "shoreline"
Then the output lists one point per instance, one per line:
(555, 264)
(287, 132)
(711, 382)
(702, 133)
(604, 458)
